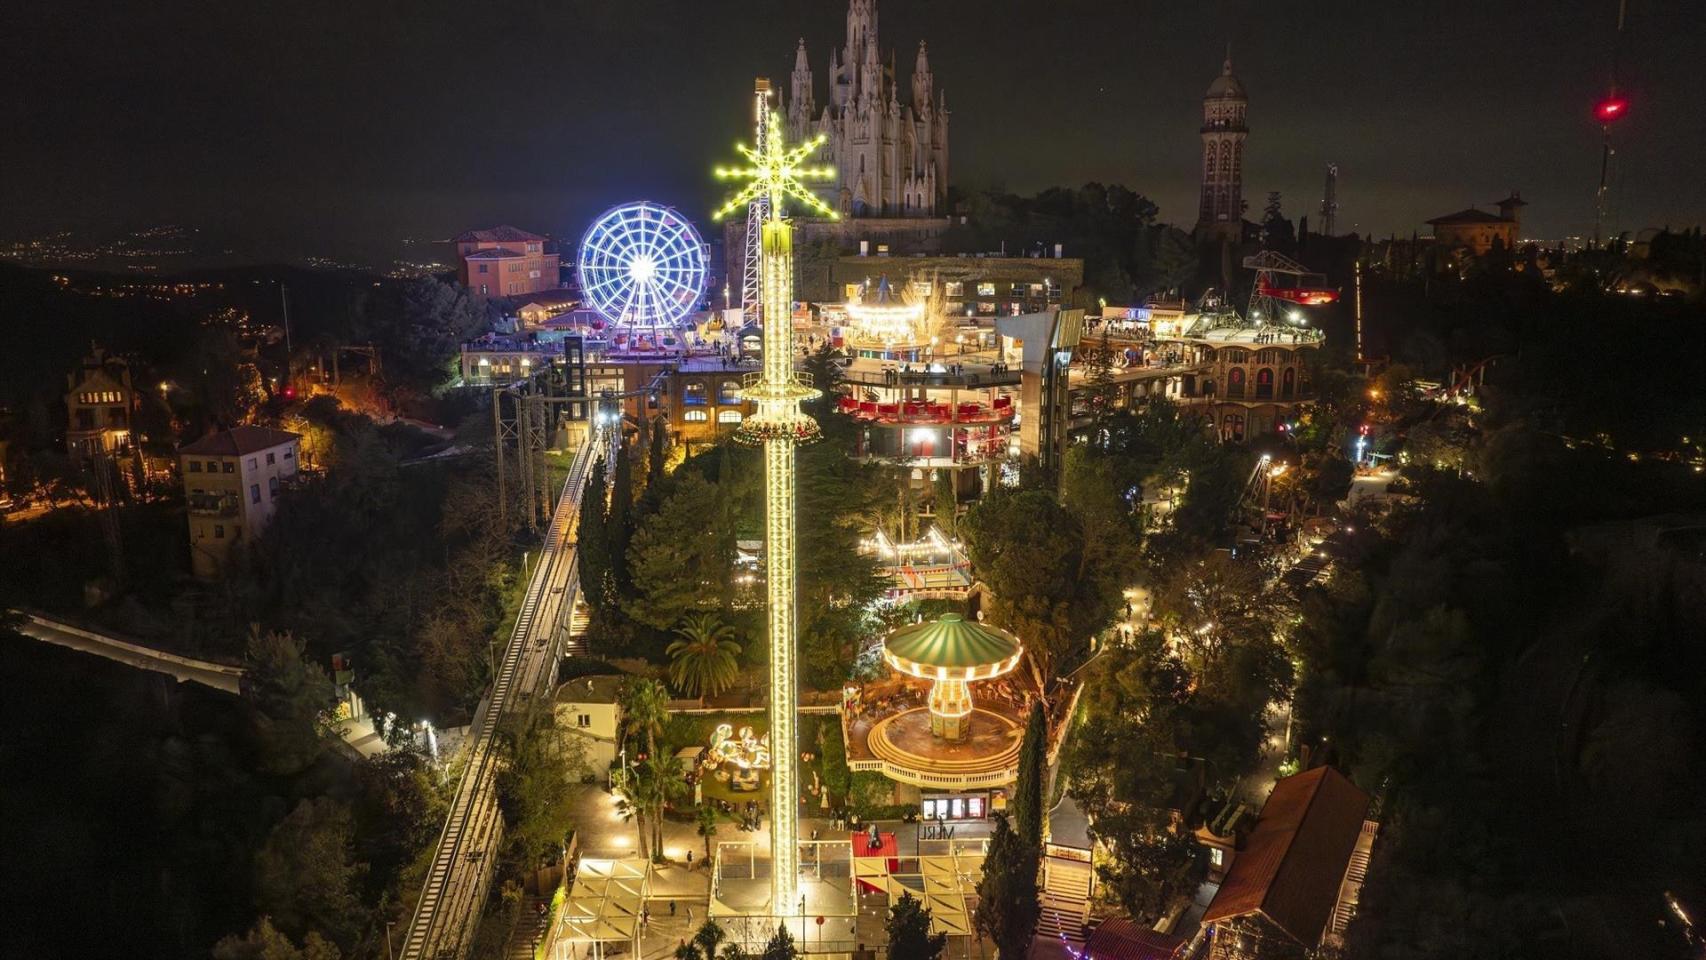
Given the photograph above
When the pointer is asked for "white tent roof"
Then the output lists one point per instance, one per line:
(605, 902)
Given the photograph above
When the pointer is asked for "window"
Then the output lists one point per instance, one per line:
(584, 720)
(728, 416)
(272, 487)
(230, 466)
(195, 466)
(728, 392)
(251, 463)
(254, 493)
(290, 454)
(1264, 384)
(693, 393)
(696, 416)
(955, 288)
(1235, 382)
(1216, 857)
(219, 531)
(986, 289)
(482, 270)
(271, 459)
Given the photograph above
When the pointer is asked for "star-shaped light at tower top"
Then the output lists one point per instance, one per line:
(776, 172)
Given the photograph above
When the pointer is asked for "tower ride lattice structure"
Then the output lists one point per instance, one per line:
(757, 212)
(779, 425)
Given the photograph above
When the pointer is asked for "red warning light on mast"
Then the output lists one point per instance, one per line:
(1610, 109)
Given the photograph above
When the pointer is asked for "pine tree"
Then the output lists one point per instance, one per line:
(592, 539)
(1028, 792)
(781, 946)
(909, 931)
(1102, 387)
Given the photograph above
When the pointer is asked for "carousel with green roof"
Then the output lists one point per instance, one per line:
(951, 741)
(952, 652)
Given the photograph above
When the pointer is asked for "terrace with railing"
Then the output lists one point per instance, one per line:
(1000, 410)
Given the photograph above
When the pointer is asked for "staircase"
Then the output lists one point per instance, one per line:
(1350, 889)
(1065, 900)
(574, 645)
(531, 926)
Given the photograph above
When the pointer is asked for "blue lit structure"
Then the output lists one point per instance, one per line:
(642, 266)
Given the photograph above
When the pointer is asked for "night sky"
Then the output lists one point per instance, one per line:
(324, 127)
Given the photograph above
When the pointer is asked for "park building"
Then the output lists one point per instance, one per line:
(1476, 231)
(232, 483)
(101, 406)
(978, 286)
(494, 358)
(1289, 883)
(1250, 378)
(505, 261)
(589, 709)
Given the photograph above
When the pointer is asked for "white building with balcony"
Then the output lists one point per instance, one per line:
(232, 483)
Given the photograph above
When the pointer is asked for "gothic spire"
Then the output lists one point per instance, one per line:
(800, 105)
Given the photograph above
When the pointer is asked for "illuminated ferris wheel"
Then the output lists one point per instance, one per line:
(642, 266)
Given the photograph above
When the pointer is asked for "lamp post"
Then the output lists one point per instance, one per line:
(779, 425)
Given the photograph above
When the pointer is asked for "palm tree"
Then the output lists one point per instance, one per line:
(702, 663)
(707, 828)
(659, 781)
(631, 804)
(645, 709)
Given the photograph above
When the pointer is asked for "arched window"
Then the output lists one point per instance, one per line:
(1288, 383)
(1265, 384)
(1235, 383)
(1208, 388)
(1232, 427)
(693, 393)
(728, 392)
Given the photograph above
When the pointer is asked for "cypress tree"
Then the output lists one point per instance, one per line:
(593, 540)
(1007, 903)
(659, 451)
(1028, 792)
(946, 502)
(621, 522)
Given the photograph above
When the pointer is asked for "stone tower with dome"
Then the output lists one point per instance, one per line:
(1220, 212)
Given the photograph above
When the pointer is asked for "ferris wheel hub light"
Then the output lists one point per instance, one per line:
(642, 268)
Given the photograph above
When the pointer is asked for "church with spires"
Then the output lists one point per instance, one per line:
(891, 155)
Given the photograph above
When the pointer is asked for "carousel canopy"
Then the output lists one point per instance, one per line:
(881, 316)
(953, 647)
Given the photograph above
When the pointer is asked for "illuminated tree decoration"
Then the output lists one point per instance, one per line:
(778, 423)
(642, 266)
